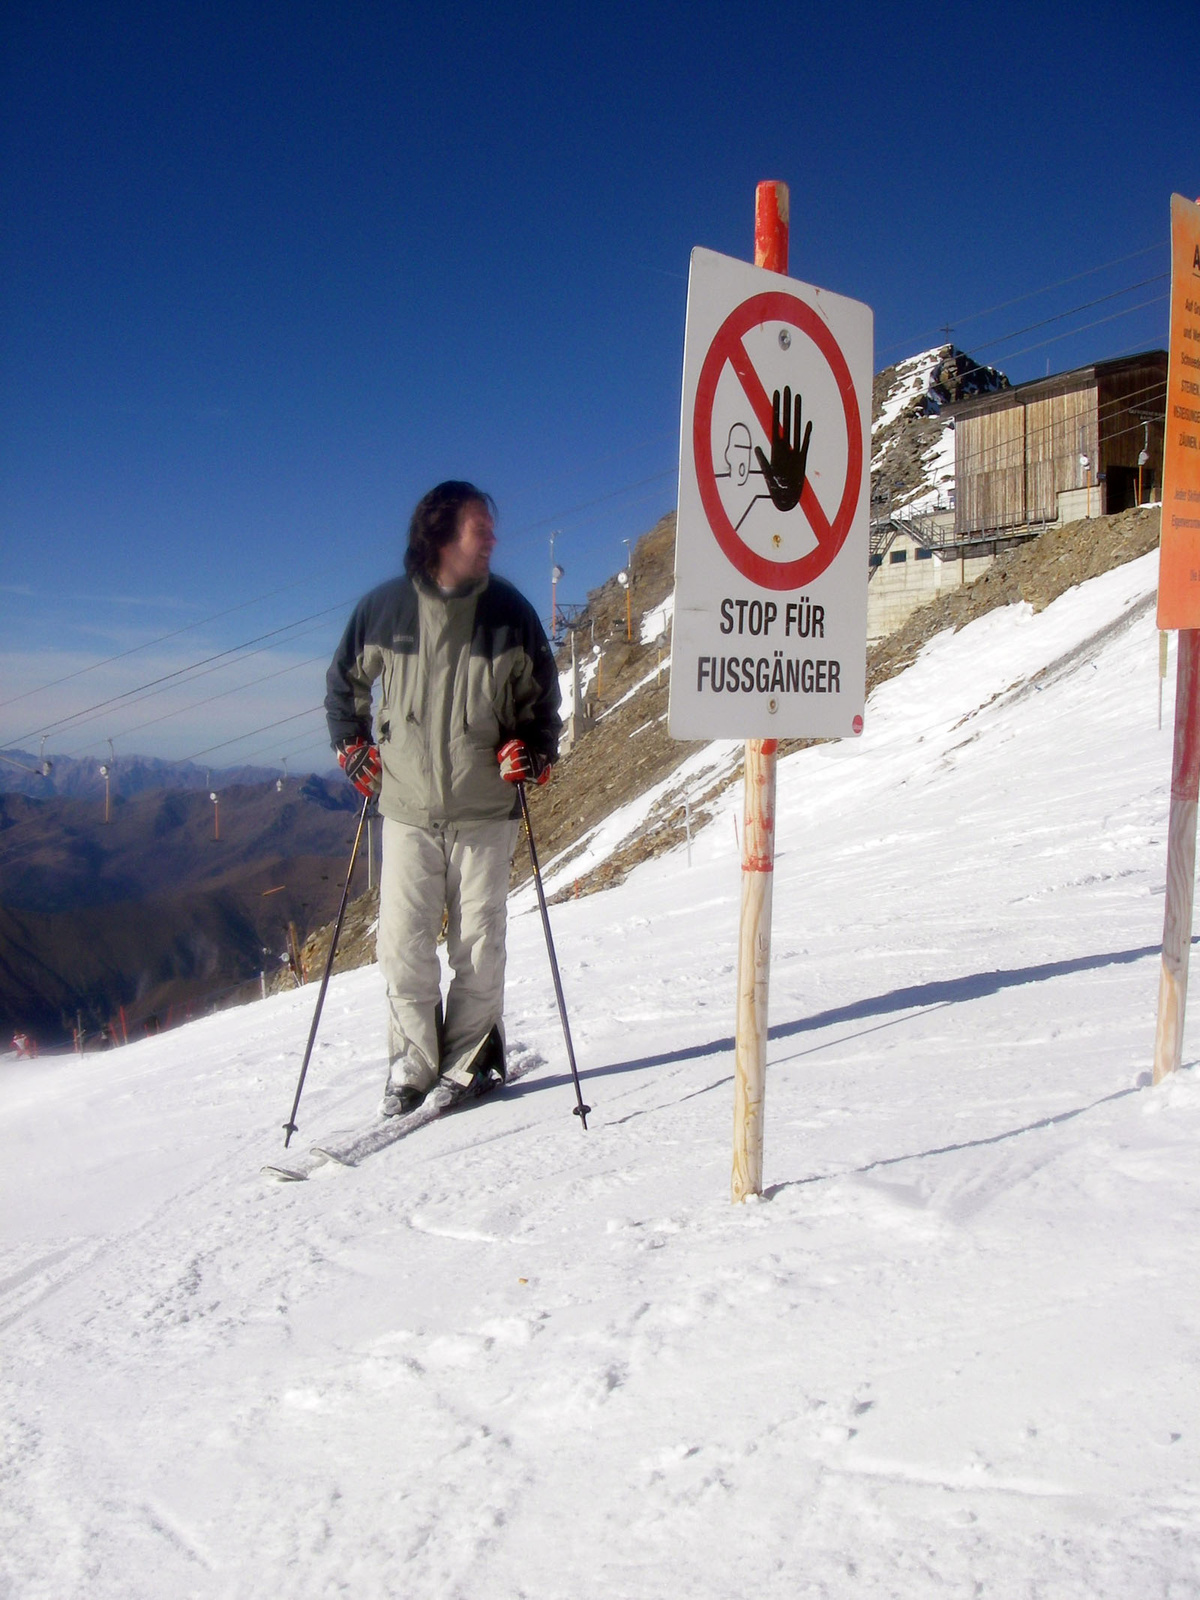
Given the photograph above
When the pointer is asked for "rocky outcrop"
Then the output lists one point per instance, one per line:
(912, 442)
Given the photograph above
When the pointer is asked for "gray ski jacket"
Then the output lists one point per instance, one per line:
(461, 674)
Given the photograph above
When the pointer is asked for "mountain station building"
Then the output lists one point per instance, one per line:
(1084, 443)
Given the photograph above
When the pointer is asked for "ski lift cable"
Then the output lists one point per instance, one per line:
(1156, 300)
(225, 660)
(1003, 338)
(82, 717)
(244, 645)
(196, 705)
(241, 652)
(225, 657)
(241, 737)
(162, 638)
(169, 676)
(1087, 306)
(1030, 294)
(235, 650)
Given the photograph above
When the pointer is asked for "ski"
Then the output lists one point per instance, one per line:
(349, 1146)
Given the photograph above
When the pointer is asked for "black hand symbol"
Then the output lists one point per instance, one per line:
(784, 473)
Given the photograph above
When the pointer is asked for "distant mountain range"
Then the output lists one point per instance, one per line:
(21, 773)
(153, 911)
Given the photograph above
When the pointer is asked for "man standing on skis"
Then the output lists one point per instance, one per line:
(468, 708)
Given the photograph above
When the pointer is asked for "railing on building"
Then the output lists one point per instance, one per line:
(932, 531)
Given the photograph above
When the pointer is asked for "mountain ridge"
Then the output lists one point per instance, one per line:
(153, 908)
(81, 776)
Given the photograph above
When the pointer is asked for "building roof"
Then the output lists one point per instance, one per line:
(1056, 383)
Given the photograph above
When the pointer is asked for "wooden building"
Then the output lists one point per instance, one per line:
(1061, 447)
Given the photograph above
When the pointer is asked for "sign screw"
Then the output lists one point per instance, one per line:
(785, 339)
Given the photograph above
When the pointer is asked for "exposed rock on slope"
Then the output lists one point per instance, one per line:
(912, 444)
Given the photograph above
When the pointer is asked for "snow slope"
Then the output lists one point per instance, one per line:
(954, 1351)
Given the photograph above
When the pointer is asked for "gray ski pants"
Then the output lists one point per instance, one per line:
(461, 869)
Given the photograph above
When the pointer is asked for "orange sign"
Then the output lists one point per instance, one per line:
(1179, 552)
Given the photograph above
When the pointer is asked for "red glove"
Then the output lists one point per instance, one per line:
(361, 764)
(520, 764)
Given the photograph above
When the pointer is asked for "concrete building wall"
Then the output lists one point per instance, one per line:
(898, 587)
(1074, 505)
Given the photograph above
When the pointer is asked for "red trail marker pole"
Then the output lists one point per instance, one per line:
(758, 842)
(1181, 859)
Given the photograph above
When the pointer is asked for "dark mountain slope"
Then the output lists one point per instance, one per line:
(151, 910)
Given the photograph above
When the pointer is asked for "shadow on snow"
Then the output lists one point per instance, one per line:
(923, 997)
(913, 997)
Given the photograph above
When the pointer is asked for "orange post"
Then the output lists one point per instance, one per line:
(1179, 607)
(758, 842)
(1179, 549)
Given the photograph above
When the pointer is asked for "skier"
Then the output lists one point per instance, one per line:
(469, 707)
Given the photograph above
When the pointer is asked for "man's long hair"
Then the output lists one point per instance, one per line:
(435, 522)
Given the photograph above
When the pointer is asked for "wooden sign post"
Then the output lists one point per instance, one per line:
(754, 968)
(1179, 607)
(771, 211)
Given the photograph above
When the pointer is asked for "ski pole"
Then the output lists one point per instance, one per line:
(580, 1111)
(289, 1126)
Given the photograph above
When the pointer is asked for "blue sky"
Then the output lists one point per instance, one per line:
(269, 272)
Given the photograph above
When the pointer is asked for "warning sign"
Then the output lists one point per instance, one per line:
(771, 551)
(1179, 551)
(783, 479)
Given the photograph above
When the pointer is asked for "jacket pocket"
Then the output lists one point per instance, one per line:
(481, 719)
(398, 705)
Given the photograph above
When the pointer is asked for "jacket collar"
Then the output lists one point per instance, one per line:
(465, 591)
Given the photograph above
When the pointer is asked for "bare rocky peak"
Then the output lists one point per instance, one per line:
(912, 442)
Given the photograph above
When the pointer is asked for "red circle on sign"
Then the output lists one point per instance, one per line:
(727, 346)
